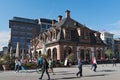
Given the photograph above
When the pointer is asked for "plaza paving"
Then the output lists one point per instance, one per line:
(104, 72)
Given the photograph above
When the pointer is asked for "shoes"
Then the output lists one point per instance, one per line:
(94, 70)
(77, 75)
(39, 78)
(80, 75)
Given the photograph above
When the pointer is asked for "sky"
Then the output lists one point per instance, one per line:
(99, 15)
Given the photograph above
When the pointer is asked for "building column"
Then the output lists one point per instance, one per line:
(52, 54)
(85, 54)
(59, 52)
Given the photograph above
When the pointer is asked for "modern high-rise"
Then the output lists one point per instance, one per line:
(108, 39)
(24, 29)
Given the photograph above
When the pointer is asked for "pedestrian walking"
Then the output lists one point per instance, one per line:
(94, 64)
(51, 66)
(16, 65)
(19, 65)
(45, 68)
(79, 67)
(114, 61)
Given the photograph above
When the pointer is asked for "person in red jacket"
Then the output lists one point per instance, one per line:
(94, 64)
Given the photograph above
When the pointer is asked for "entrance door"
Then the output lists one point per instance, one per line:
(82, 54)
(88, 55)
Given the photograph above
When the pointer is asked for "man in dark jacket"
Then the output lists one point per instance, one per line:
(79, 67)
(45, 68)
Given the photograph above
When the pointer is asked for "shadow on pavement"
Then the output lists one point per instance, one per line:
(81, 77)
(27, 71)
(96, 75)
(66, 78)
(62, 72)
(106, 70)
(66, 73)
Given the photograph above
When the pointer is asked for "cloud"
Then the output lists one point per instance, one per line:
(4, 38)
(116, 33)
(117, 23)
(115, 28)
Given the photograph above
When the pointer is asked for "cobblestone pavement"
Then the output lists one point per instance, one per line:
(104, 72)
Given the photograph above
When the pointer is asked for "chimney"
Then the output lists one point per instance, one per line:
(59, 18)
(53, 22)
(67, 14)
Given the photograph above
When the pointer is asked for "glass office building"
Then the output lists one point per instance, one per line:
(24, 29)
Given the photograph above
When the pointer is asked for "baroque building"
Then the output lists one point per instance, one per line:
(66, 37)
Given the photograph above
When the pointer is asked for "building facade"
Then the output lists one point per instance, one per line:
(23, 30)
(68, 37)
(117, 48)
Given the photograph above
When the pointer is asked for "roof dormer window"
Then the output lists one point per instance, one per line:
(68, 34)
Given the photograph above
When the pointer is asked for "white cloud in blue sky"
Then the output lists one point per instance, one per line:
(115, 28)
(117, 23)
(4, 38)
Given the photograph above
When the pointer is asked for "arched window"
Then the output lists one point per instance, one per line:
(54, 54)
(49, 53)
